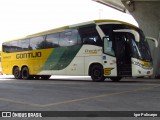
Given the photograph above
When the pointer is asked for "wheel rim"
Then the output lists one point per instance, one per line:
(97, 74)
(16, 73)
(25, 73)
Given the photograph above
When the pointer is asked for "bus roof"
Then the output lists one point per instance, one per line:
(60, 29)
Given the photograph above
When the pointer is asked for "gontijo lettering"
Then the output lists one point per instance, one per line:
(28, 55)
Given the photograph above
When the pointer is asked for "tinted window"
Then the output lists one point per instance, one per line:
(79, 38)
(13, 46)
(75, 38)
(37, 43)
(25, 45)
(69, 38)
(52, 40)
(89, 35)
(16, 46)
(108, 44)
(6, 47)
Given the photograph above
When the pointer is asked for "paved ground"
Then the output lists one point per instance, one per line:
(79, 94)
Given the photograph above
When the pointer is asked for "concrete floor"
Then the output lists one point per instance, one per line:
(79, 94)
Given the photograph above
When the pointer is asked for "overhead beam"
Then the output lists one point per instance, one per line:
(116, 4)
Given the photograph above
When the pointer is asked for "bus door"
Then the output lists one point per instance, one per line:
(122, 48)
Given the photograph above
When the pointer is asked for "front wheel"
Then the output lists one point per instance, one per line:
(97, 73)
(25, 73)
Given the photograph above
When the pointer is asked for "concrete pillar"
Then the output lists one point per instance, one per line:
(147, 15)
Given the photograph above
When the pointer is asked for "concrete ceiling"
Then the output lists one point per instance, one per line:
(116, 4)
(120, 4)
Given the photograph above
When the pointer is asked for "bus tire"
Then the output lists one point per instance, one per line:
(97, 73)
(17, 73)
(116, 79)
(25, 73)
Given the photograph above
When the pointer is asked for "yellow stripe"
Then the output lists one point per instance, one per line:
(147, 64)
(101, 21)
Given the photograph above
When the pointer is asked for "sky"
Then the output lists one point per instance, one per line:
(19, 18)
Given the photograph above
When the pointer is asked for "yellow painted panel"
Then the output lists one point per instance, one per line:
(33, 59)
(107, 71)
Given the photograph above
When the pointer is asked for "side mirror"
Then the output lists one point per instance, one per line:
(154, 40)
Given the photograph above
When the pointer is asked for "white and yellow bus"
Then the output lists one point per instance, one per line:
(100, 49)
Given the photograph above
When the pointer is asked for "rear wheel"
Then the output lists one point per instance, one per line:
(97, 73)
(25, 73)
(17, 73)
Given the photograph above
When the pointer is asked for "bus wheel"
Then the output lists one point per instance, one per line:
(17, 73)
(25, 73)
(97, 73)
(116, 79)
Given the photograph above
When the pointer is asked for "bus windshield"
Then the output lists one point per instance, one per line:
(141, 49)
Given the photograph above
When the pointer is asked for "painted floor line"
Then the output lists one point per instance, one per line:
(76, 100)
(98, 96)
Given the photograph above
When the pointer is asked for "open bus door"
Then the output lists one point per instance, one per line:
(123, 50)
(123, 53)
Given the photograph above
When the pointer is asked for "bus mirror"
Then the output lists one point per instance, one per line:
(154, 40)
(136, 35)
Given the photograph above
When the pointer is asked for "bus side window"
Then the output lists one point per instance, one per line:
(25, 44)
(52, 40)
(18, 47)
(6, 47)
(69, 38)
(74, 38)
(15, 46)
(89, 35)
(12, 46)
(37, 43)
(79, 41)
